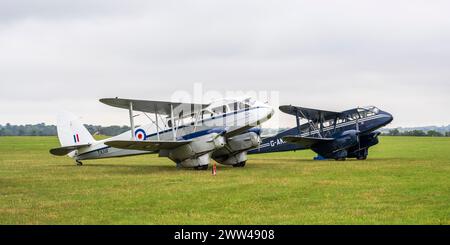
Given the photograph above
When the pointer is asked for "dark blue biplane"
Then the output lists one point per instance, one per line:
(332, 135)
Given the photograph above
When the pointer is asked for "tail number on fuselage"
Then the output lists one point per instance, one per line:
(103, 151)
(276, 142)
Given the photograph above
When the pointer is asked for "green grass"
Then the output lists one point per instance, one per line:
(406, 180)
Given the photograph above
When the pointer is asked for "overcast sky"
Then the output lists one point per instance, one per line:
(65, 55)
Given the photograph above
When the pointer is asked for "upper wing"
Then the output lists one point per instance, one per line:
(160, 107)
(148, 145)
(306, 142)
(308, 113)
(61, 151)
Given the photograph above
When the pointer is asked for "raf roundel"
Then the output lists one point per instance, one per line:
(140, 134)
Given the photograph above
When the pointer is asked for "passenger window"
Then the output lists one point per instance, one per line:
(234, 106)
(206, 114)
(219, 110)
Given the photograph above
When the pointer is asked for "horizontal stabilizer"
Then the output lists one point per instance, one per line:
(148, 145)
(62, 151)
(306, 142)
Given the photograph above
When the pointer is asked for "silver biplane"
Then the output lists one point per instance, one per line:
(188, 134)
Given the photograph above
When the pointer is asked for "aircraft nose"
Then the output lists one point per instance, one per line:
(268, 112)
(272, 111)
(389, 117)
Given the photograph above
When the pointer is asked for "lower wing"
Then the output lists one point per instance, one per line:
(306, 142)
(148, 145)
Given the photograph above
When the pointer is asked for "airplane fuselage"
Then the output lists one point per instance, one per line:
(233, 123)
(366, 126)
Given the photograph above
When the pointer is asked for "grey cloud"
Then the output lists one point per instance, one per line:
(334, 55)
(67, 9)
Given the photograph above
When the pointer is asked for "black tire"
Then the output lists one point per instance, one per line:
(204, 167)
(361, 157)
(240, 164)
(79, 163)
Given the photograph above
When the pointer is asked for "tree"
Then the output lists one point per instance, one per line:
(414, 133)
(394, 132)
(434, 133)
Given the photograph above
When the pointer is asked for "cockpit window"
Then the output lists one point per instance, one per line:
(375, 110)
(368, 111)
(249, 103)
(226, 106)
(245, 106)
(238, 106)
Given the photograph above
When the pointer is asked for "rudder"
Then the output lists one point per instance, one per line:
(71, 131)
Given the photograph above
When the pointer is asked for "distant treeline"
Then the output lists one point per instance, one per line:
(42, 129)
(431, 133)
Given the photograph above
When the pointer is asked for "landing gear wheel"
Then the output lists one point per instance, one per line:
(362, 154)
(239, 165)
(79, 163)
(204, 167)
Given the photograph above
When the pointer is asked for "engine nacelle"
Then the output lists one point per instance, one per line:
(338, 147)
(236, 148)
(199, 161)
(244, 142)
(235, 159)
(196, 153)
(370, 139)
(362, 150)
(348, 139)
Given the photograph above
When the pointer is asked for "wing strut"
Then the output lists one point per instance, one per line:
(321, 124)
(173, 122)
(131, 120)
(157, 126)
(311, 123)
(297, 117)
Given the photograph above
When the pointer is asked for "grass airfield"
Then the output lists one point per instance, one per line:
(406, 180)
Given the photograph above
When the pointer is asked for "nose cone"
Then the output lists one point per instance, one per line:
(269, 112)
(265, 113)
(388, 118)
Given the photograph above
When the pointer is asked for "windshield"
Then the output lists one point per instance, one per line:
(368, 111)
(229, 105)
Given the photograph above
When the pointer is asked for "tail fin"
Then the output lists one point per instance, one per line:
(71, 131)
